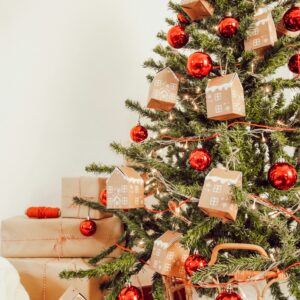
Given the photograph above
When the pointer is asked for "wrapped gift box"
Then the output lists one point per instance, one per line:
(88, 188)
(40, 277)
(24, 237)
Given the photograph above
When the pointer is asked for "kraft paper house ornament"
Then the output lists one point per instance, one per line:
(168, 256)
(197, 9)
(163, 90)
(216, 198)
(263, 36)
(125, 189)
(225, 98)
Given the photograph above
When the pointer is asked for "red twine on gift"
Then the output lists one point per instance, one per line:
(41, 212)
(211, 137)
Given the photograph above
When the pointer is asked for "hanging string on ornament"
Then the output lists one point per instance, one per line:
(199, 65)
(291, 19)
(177, 37)
(139, 133)
(228, 27)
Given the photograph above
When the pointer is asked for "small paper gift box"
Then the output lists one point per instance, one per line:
(40, 278)
(125, 189)
(61, 238)
(85, 187)
(163, 90)
(216, 198)
(197, 9)
(225, 98)
(168, 256)
(263, 35)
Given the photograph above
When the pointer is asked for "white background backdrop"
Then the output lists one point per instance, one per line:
(66, 68)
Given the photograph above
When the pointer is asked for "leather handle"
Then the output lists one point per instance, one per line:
(235, 246)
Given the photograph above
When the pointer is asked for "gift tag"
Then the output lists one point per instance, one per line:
(72, 294)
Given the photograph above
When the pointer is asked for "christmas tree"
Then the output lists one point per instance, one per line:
(220, 159)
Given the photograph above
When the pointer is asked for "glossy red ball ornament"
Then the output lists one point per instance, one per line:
(229, 296)
(199, 64)
(294, 64)
(291, 19)
(282, 176)
(193, 263)
(88, 227)
(182, 19)
(138, 133)
(103, 197)
(130, 293)
(177, 37)
(200, 159)
(228, 27)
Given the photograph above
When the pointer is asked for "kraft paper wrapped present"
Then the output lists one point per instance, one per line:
(88, 188)
(40, 277)
(24, 237)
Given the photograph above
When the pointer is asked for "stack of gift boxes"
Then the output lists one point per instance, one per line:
(42, 248)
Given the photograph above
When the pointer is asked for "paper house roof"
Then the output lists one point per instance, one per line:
(223, 176)
(221, 82)
(166, 72)
(129, 174)
(168, 239)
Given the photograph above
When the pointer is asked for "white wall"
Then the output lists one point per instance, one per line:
(66, 67)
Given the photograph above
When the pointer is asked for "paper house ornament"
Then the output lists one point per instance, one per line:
(163, 90)
(125, 189)
(168, 255)
(216, 198)
(197, 9)
(225, 98)
(263, 35)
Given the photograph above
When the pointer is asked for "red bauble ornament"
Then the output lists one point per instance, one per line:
(291, 19)
(103, 198)
(228, 27)
(138, 133)
(193, 263)
(282, 176)
(199, 64)
(177, 37)
(294, 64)
(88, 227)
(229, 296)
(130, 293)
(182, 19)
(200, 159)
